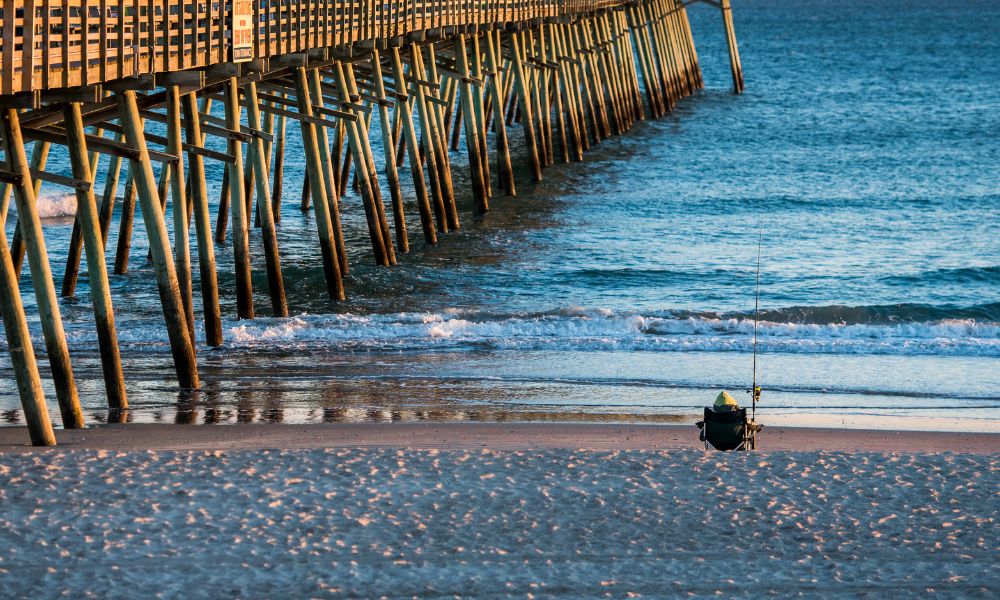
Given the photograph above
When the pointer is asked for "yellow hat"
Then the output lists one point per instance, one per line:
(725, 401)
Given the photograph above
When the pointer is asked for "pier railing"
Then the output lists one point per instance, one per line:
(69, 43)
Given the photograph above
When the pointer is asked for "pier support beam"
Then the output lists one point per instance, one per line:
(88, 221)
(734, 52)
(356, 136)
(178, 193)
(429, 136)
(275, 281)
(332, 184)
(181, 344)
(316, 180)
(238, 207)
(202, 223)
(41, 272)
(496, 91)
(413, 149)
(389, 154)
(524, 97)
(22, 355)
(479, 183)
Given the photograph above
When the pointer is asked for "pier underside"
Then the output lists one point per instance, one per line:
(435, 75)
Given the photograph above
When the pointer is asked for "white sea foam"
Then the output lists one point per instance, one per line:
(581, 329)
(53, 205)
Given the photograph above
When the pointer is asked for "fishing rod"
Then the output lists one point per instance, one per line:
(755, 391)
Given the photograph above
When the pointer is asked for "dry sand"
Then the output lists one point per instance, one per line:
(426, 511)
(500, 436)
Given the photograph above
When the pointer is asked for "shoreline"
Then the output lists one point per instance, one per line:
(493, 436)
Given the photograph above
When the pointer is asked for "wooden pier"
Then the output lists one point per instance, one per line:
(90, 74)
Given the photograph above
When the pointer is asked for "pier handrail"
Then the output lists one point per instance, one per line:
(68, 43)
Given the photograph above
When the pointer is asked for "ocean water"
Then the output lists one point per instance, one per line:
(867, 147)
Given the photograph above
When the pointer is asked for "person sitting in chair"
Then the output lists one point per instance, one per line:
(726, 426)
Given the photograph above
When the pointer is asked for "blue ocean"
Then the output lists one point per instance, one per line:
(864, 154)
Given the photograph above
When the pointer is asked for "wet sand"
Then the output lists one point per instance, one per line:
(496, 436)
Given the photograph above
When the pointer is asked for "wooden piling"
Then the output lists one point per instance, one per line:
(735, 67)
(430, 141)
(278, 166)
(354, 143)
(202, 223)
(389, 152)
(324, 224)
(126, 219)
(110, 195)
(178, 195)
(479, 184)
(439, 134)
(478, 87)
(413, 149)
(39, 158)
(41, 272)
(71, 271)
(524, 97)
(237, 207)
(330, 181)
(369, 171)
(181, 344)
(272, 260)
(496, 88)
(22, 355)
(559, 88)
(97, 273)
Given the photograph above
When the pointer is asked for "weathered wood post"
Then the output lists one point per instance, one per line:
(369, 165)
(279, 170)
(524, 96)
(71, 272)
(389, 150)
(127, 217)
(39, 157)
(436, 111)
(97, 272)
(413, 149)
(110, 194)
(202, 224)
(181, 344)
(734, 52)
(478, 87)
(380, 245)
(428, 135)
(22, 355)
(496, 89)
(237, 207)
(41, 272)
(330, 170)
(178, 194)
(324, 225)
(272, 260)
(479, 184)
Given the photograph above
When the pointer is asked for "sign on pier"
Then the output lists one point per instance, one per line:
(243, 30)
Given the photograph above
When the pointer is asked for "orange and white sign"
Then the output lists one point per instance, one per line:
(243, 30)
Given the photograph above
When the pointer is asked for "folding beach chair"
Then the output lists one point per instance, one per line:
(728, 430)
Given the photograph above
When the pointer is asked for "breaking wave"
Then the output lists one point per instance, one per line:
(53, 205)
(602, 329)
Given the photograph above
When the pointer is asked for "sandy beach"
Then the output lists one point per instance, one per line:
(495, 511)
